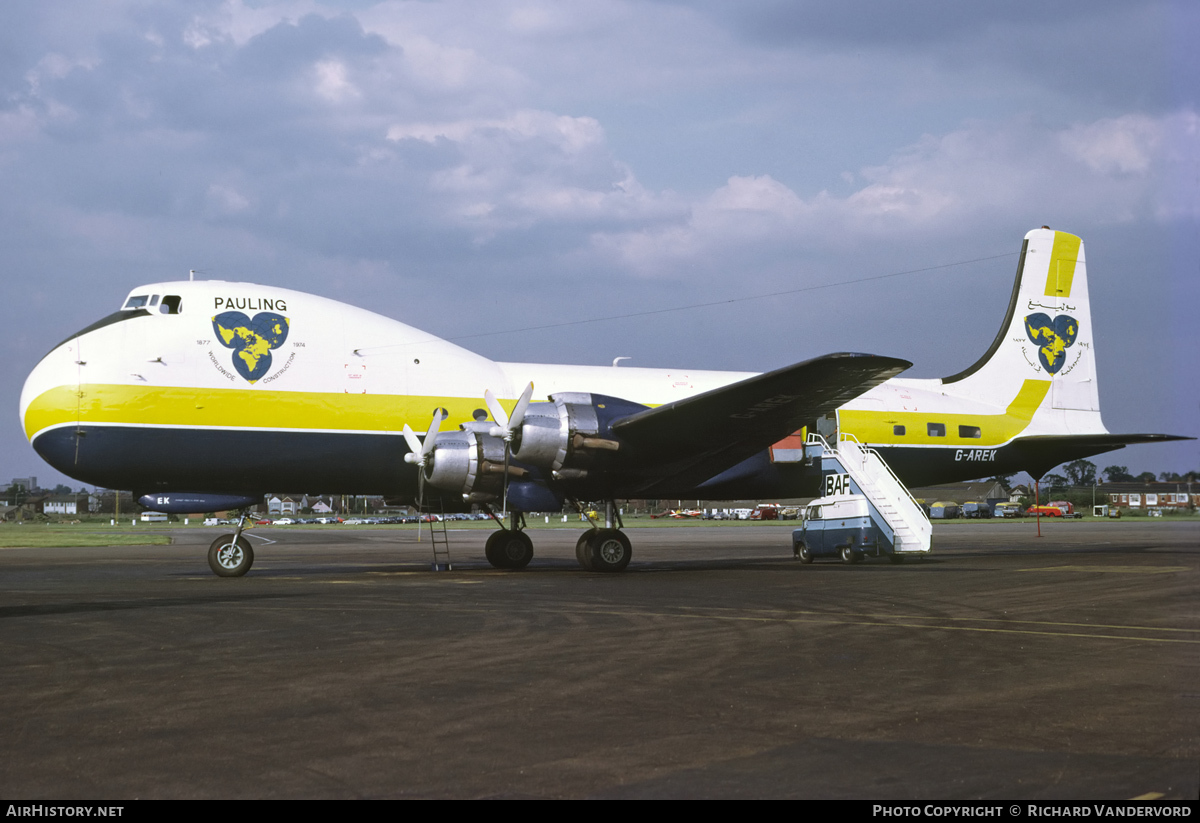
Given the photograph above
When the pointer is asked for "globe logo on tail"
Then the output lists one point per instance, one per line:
(251, 340)
(1052, 337)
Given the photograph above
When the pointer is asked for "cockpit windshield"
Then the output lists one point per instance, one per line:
(171, 303)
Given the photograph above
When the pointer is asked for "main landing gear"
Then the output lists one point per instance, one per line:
(230, 555)
(604, 549)
(599, 549)
(509, 548)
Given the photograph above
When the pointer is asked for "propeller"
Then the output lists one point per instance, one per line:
(506, 427)
(419, 453)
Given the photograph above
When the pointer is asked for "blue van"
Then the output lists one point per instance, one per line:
(838, 526)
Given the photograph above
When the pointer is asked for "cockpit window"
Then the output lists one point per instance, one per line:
(154, 300)
(171, 304)
(136, 301)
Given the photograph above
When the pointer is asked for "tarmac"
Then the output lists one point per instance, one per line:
(1005, 666)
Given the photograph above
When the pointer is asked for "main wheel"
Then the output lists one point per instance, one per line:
(509, 549)
(609, 550)
(230, 558)
(849, 555)
(896, 558)
(803, 554)
(582, 552)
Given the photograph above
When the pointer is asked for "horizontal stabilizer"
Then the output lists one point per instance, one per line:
(702, 435)
(1043, 452)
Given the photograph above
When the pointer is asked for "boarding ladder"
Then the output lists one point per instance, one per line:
(910, 528)
(439, 538)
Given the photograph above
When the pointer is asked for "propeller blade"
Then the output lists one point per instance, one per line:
(504, 498)
(414, 445)
(431, 435)
(518, 414)
(506, 426)
(498, 413)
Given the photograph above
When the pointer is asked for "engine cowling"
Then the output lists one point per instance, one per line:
(565, 439)
(572, 434)
(471, 463)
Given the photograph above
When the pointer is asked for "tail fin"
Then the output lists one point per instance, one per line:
(1044, 346)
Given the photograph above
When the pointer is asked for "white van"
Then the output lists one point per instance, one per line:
(839, 525)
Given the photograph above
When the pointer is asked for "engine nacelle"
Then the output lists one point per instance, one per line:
(571, 434)
(471, 463)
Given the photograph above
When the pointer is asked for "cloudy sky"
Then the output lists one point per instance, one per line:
(479, 169)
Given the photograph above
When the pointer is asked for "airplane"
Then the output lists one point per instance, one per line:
(205, 395)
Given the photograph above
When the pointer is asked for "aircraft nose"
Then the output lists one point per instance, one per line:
(50, 398)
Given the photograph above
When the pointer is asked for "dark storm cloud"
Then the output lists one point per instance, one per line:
(1109, 50)
(909, 25)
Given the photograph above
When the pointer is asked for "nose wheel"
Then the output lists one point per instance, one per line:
(230, 555)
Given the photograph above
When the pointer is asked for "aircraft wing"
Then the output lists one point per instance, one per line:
(695, 438)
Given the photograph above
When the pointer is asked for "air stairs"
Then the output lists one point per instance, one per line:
(900, 517)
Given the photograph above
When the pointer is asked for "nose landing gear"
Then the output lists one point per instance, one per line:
(230, 555)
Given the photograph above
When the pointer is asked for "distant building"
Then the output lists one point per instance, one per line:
(61, 504)
(281, 505)
(71, 504)
(1151, 495)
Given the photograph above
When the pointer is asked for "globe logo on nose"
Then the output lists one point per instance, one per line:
(251, 340)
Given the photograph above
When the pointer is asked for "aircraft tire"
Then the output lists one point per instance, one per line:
(803, 554)
(896, 558)
(509, 549)
(582, 552)
(229, 559)
(849, 555)
(609, 550)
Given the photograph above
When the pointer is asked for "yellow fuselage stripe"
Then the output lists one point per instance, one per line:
(182, 407)
(877, 426)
